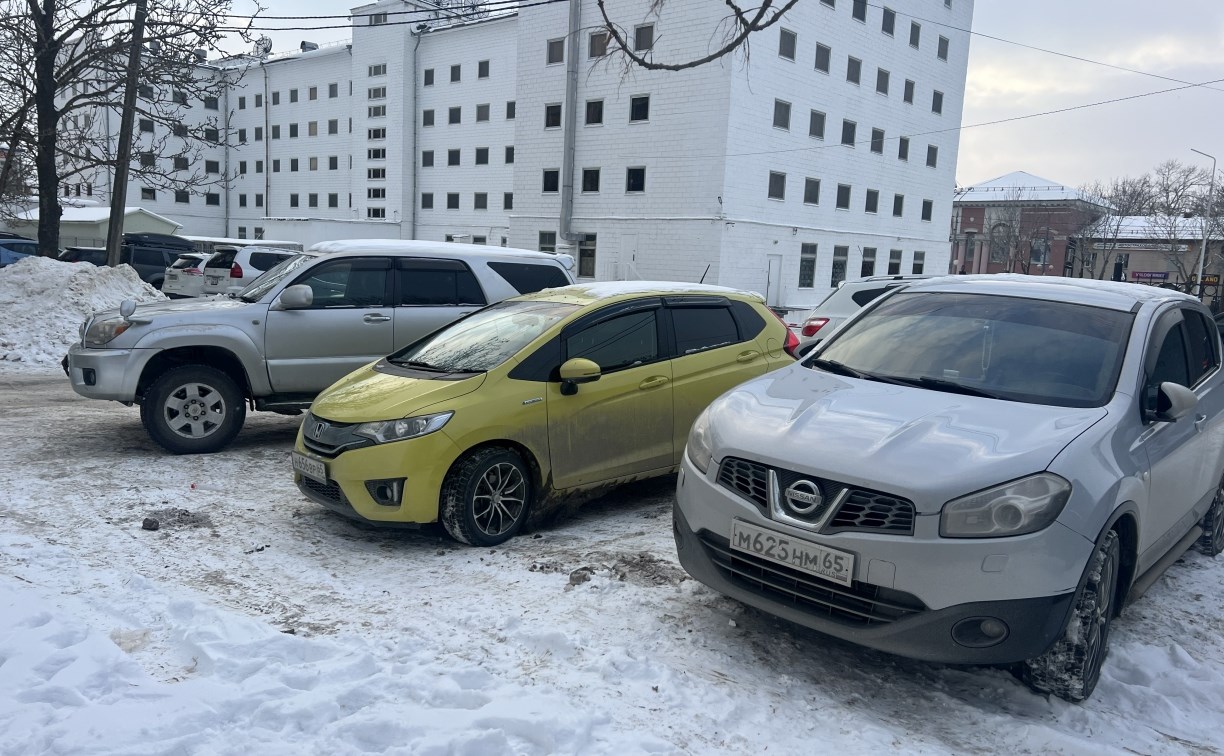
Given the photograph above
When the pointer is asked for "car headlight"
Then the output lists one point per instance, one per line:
(698, 447)
(385, 431)
(1021, 506)
(102, 332)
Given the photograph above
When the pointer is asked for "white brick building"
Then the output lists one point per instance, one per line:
(831, 154)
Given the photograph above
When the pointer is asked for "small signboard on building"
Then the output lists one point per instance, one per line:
(1149, 275)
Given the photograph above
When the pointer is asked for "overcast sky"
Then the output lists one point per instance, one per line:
(1177, 39)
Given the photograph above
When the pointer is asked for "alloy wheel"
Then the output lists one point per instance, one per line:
(499, 499)
(194, 410)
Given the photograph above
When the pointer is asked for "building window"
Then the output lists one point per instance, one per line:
(452, 201)
(903, 148)
(312, 200)
(293, 95)
(888, 24)
(259, 100)
(942, 50)
(454, 115)
(643, 37)
(932, 156)
(928, 208)
(882, 81)
(242, 136)
(259, 232)
(590, 179)
(777, 185)
(180, 163)
(807, 266)
(210, 166)
(480, 201)
(376, 153)
(482, 69)
(552, 116)
(482, 112)
(937, 102)
(594, 112)
(184, 198)
(276, 131)
(427, 201)
(276, 165)
(376, 174)
(915, 33)
(333, 163)
(509, 110)
(146, 125)
(293, 131)
(597, 45)
(898, 205)
(376, 93)
(552, 180)
(639, 108)
(586, 256)
(894, 262)
(376, 19)
(375, 111)
(427, 117)
(379, 69)
(312, 128)
(816, 124)
(376, 192)
(781, 114)
(507, 202)
(854, 69)
(509, 154)
(838, 272)
(179, 98)
(293, 165)
(210, 103)
(376, 212)
(843, 196)
(276, 98)
(333, 200)
(482, 156)
(858, 10)
(877, 141)
(868, 265)
(145, 91)
(823, 56)
(811, 191)
(242, 232)
(312, 93)
(242, 167)
(919, 263)
(456, 73)
(635, 180)
(427, 158)
(786, 44)
(908, 95)
(333, 90)
(259, 166)
(241, 100)
(547, 242)
(147, 160)
(259, 203)
(452, 157)
(378, 133)
(554, 52)
(848, 131)
(212, 199)
(872, 204)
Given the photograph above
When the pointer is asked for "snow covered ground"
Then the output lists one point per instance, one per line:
(254, 622)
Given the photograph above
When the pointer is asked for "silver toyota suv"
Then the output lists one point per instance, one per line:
(193, 365)
(974, 470)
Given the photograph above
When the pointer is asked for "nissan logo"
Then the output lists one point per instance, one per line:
(803, 497)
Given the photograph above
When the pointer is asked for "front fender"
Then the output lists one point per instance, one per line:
(238, 342)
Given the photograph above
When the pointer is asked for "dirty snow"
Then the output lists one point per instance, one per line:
(252, 621)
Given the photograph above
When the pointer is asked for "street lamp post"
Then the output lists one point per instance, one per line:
(1207, 221)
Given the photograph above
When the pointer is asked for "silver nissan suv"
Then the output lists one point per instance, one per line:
(974, 470)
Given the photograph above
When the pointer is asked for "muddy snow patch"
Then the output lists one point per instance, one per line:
(174, 517)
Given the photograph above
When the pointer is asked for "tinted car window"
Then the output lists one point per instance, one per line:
(348, 283)
(267, 260)
(1171, 363)
(144, 256)
(619, 342)
(222, 259)
(527, 278)
(1203, 341)
(861, 298)
(438, 282)
(701, 328)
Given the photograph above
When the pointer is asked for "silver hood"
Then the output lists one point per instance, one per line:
(928, 446)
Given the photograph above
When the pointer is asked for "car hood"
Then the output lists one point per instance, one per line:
(185, 309)
(367, 395)
(928, 446)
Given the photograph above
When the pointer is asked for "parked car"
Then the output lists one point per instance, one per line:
(193, 364)
(231, 269)
(976, 470)
(185, 278)
(848, 298)
(12, 250)
(91, 255)
(150, 254)
(532, 402)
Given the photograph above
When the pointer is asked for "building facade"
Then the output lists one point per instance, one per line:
(827, 154)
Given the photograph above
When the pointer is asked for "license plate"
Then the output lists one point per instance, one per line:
(830, 564)
(214, 280)
(172, 276)
(310, 467)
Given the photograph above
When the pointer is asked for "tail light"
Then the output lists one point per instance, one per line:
(192, 272)
(236, 271)
(812, 325)
(792, 341)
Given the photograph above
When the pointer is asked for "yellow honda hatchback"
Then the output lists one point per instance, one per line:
(543, 399)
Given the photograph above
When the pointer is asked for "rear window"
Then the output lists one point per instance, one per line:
(268, 260)
(702, 328)
(222, 259)
(185, 262)
(438, 283)
(864, 296)
(527, 278)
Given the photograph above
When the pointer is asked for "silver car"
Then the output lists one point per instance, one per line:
(975, 470)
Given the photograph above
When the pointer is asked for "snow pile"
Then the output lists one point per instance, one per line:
(43, 303)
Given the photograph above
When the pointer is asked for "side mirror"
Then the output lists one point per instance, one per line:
(297, 297)
(127, 307)
(576, 371)
(1169, 402)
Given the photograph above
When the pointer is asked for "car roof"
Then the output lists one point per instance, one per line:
(587, 293)
(417, 248)
(1113, 295)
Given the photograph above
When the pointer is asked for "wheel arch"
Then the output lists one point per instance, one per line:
(216, 357)
(525, 453)
(1124, 520)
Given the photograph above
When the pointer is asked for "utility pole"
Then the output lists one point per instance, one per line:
(1207, 222)
(123, 155)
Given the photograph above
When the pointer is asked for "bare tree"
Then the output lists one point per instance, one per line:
(1177, 191)
(733, 31)
(62, 65)
(1099, 232)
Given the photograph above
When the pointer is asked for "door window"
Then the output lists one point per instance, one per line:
(527, 278)
(701, 328)
(348, 283)
(1202, 342)
(437, 283)
(1171, 362)
(619, 342)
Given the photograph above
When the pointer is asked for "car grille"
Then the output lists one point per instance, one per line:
(329, 492)
(330, 439)
(862, 510)
(860, 605)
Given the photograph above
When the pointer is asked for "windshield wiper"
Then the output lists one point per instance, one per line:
(833, 366)
(942, 384)
(419, 365)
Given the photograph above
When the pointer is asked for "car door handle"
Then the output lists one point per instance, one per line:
(653, 382)
(748, 356)
(1198, 421)
(376, 318)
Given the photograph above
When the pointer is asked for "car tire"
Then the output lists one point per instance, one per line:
(1071, 667)
(1211, 542)
(193, 409)
(485, 497)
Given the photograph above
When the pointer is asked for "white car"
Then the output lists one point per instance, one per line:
(185, 278)
(848, 298)
(231, 268)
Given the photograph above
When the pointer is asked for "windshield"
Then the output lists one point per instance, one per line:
(484, 339)
(1024, 350)
(262, 285)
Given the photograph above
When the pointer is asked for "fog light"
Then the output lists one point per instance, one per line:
(89, 376)
(387, 492)
(980, 632)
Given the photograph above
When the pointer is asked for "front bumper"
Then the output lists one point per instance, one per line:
(104, 373)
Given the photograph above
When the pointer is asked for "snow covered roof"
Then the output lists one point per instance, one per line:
(1145, 227)
(1019, 185)
(606, 289)
(94, 215)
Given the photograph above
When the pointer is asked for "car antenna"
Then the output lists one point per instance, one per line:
(703, 275)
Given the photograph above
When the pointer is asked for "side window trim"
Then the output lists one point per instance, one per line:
(1213, 344)
(376, 263)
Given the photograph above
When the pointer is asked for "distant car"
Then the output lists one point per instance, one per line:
(185, 278)
(847, 299)
(12, 250)
(11, 235)
(151, 254)
(91, 255)
(975, 470)
(232, 268)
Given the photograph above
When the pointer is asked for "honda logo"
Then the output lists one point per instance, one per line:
(319, 429)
